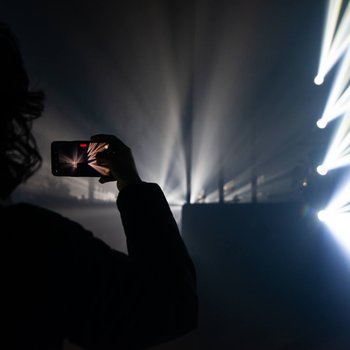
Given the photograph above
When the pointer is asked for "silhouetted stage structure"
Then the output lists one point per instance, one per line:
(270, 276)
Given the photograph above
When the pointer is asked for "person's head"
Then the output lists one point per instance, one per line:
(19, 106)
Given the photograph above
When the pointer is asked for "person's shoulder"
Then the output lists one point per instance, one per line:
(37, 215)
(29, 209)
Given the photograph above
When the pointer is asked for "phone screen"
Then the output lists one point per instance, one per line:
(77, 158)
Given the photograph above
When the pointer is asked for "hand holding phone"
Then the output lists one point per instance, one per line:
(77, 158)
(119, 159)
(104, 156)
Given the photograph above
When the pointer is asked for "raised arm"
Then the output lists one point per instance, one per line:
(162, 278)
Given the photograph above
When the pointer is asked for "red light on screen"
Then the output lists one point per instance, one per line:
(83, 145)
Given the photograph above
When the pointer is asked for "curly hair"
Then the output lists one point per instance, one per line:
(19, 106)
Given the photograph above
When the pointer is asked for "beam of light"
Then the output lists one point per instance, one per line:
(175, 195)
(92, 151)
(102, 194)
(327, 59)
(72, 160)
(341, 40)
(221, 91)
(241, 194)
(238, 187)
(338, 101)
(338, 153)
(94, 148)
(160, 101)
(340, 107)
(337, 216)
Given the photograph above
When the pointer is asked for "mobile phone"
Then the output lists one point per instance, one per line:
(77, 158)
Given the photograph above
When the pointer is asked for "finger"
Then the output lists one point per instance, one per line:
(111, 139)
(101, 137)
(104, 179)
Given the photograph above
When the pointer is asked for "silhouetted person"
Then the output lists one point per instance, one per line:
(60, 282)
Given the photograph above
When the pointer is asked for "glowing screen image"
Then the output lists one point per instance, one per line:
(77, 158)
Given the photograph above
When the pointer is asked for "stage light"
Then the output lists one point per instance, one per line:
(322, 170)
(337, 216)
(322, 215)
(338, 223)
(321, 123)
(319, 80)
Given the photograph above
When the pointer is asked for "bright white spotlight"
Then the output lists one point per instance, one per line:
(338, 223)
(319, 80)
(322, 169)
(337, 216)
(322, 215)
(322, 123)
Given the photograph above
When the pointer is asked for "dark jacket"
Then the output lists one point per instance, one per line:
(59, 281)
